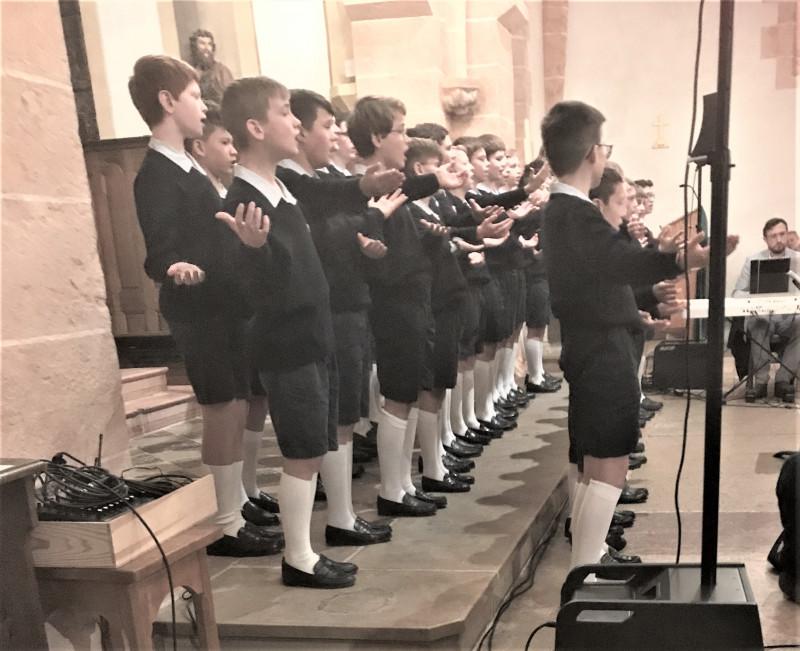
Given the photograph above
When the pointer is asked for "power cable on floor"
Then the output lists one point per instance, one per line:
(536, 630)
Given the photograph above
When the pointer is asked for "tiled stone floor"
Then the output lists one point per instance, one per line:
(442, 570)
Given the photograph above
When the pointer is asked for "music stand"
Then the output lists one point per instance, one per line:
(769, 276)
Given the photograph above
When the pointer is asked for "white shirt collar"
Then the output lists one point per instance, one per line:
(485, 188)
(563, 188)
(290, 164)
(425, 207)
(274, 192)
(343, 170)
(181, 158)
(360, 169)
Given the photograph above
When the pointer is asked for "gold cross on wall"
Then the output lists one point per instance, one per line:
(660, 143)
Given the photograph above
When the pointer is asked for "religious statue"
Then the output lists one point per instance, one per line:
(214, 76)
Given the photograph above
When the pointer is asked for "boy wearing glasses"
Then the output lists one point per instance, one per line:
(590, 270)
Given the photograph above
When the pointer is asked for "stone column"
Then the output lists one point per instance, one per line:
(60, 376)
(554, 54)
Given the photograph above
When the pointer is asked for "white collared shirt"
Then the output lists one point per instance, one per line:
(274, 192)
(485, 188)
(181, 158)
(564, 188)
(344, 171)
(293, 165)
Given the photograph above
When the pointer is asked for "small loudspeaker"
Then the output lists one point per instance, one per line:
(656, 606)
(680, 365)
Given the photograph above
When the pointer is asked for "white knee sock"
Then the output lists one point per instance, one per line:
(590, 527)
(375, 402)
(468, 400)
(362, 426)
(334, 472)
(457, 423)
(495, 376)
(533, 354)
(429, 446)
(445, 426)
(572, 487)
(509, 382)
(391, 458)
(228, 489)
(408, 450)
(297, 502)
(251, 448)
(484, 405)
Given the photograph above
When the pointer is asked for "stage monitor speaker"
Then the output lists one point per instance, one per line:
(670, 360)
(657, 606)
(706, 139)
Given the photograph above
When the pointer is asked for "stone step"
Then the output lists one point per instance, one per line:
(169, 406)
(141, 382)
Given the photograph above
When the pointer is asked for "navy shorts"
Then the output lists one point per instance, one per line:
(403, 331)
(519, 312)
(509, 287)
(213, 352)
(350, 335)
(449, 323)
(537, 305)
(493, 310)
(303, 405)
(601, 366)
(471, 343)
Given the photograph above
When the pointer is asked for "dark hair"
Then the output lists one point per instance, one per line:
(420, 150)
(471, 144)
(530, 168)
(607, 186)
(153, 73)
(201, 33)
(772, 223)
(372, 116)
(248, 99)
(643, 183)
(492, 143)
(569, 131)
(341, 116)
(429, 130)
(305, 105)
(212, 121)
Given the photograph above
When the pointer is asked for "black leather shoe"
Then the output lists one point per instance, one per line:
(517, 399)
(647, 415)
(342, 566)
(361, 442)
(503, 403)
(638, 457)
(361, 535)
(454, 464)
(542, 387)
(488, 431)
(784, 391)
(358, 471)
(639, 447)
(633, 463)
(642, 423)
(552, 379)
(263, 532)
(324, 576)
(410, 507)
(462, 477)
(498, 423)
(473, 439)
(509, 413)
(618, 542)
(651, 405)
(374, 526)
(463, 450)
(445, 485)
(251, 512)
(623, 558)
(245, 543)
(266, 502)
(621, 519)
(439, 501)
(633, 495)
(360, 455)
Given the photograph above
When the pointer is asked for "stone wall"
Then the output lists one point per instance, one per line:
(60, 376)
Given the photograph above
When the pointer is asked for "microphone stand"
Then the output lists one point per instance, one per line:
(720, 160)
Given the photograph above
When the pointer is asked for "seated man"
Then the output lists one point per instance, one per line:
(761, 328)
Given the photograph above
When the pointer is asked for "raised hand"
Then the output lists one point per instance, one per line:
(466, 246)
(378, 181)
(539, 197)
(668, 309)
(434, 229)
(388, 203)
(250, 224)
(491, 242)
(374, 249)
(522, 210)
(636, 228)
(185, 273)
(529, 243)
(670, 238)
(537, 180)
(476, 258)
(692, 254)
(482, 214)
(731, 244)
(490, 228)
(666, 291)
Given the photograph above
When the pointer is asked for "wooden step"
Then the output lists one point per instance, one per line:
(140, 382)
(169, 406)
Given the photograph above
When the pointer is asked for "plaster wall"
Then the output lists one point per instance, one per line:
(60, 376)
(634, 79)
